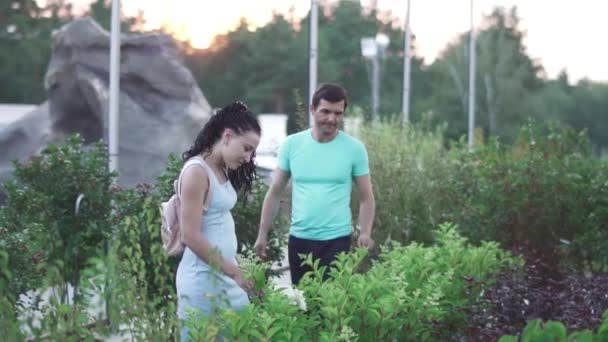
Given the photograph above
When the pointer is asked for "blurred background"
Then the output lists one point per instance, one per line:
(534, 59)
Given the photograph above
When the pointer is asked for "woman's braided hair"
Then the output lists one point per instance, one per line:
(239, 118)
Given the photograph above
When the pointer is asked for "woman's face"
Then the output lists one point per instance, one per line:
(238, 148)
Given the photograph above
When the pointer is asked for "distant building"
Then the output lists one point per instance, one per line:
(10, 113)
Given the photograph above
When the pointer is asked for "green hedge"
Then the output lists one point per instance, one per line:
(553, 331)
(547, 190)
(411, 293)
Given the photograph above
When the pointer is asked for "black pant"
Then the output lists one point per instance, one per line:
(325, 250)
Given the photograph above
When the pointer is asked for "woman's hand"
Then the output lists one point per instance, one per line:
(245, 284)
(234, 272)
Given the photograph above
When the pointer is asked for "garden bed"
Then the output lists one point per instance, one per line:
(540, 290)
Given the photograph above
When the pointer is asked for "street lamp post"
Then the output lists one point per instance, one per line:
(114, 86)
(471, 140)
(312, 55)
(373, 49)
(406, 66)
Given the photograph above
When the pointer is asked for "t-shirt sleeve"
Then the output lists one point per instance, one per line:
(283, 163)
(361, 162)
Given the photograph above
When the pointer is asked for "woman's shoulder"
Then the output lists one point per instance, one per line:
(193, 171)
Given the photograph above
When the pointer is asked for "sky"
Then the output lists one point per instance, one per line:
(559, 34)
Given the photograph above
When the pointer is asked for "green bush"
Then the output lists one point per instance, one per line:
(141, 284)
(8, 328)
(57, 212)
(109, 250)
(591, 244)
(105, 243)
(541, 191)
(408, 168)
(532, 191)
(547, 190)
(537, 330)
(412, 293)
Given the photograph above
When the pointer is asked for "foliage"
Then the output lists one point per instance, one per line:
(25, 47)
(406, 166)
(412, 293)
(409, 293)
(548, 189)
(511, 86)
(536, 330)
(224, 71)
(58, 211)
(101, 11)
(26, 28)
(506, 79)
(104, 244)
(8, 329)
(141, 292)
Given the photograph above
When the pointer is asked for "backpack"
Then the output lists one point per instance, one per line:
(170, 232)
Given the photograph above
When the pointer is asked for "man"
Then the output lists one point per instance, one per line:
(323, 162)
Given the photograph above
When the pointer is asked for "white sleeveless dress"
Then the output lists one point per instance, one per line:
(199, 287)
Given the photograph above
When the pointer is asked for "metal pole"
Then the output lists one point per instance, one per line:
(312, 55)
(114, 85)
(407, 66)
(472, 83)
(375, 85)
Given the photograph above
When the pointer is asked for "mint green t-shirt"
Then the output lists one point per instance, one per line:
(322, 176)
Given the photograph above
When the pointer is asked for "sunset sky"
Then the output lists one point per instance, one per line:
(560, 33)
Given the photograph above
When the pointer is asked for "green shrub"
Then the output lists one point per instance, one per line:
(410, 294)
(57, 212)
(141, 283)
(8, 327)
(407, 168)
(547, 190)
(537, 330)
(591, 244)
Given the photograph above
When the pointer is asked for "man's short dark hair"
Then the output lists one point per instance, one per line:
(330, 92)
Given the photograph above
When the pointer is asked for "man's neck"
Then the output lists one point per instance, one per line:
(323, 138)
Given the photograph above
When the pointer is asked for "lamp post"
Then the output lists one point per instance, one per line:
(373, 49)
(312, 55)
(471, 140)
(114, 86)
(406, 66)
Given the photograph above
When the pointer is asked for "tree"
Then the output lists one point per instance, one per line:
(25, 43)
(589, 111)
(507, 75)
(101, 11)
(506, 79)
(267, 66)
(25, 34)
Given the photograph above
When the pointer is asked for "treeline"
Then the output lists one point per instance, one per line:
(268, 68)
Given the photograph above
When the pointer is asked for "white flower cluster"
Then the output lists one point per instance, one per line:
(295, 296)
(347, 334)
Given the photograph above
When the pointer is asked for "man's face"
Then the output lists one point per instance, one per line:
(328, 116)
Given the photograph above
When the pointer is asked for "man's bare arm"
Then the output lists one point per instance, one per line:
(367, 209)
(270, 208)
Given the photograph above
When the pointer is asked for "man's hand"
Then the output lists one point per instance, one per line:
(365, 241)
(261, 243)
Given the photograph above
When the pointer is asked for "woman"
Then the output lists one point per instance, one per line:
(223, 158)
